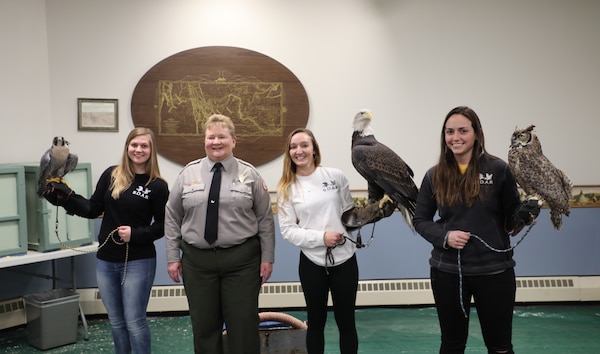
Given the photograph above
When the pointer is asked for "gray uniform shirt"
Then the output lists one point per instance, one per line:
(244, 208)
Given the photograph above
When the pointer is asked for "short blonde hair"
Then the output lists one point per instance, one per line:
(221, 121)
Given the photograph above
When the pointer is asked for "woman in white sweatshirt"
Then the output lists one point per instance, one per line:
(311, 203)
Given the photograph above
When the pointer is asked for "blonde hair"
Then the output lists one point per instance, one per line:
(122, 176)
(289, 167)
(220, 120)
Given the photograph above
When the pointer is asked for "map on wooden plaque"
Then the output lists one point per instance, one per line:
(265, 100)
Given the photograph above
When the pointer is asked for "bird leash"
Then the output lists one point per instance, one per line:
(64, 245)
(460, 275)
(109, 237)
(358, 241)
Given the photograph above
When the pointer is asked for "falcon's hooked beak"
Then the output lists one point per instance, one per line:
(59, 141)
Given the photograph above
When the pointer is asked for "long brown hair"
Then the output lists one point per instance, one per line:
(289, 167)
(122, 176)
(452, 187)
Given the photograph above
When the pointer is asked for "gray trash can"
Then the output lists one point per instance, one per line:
(52, 318)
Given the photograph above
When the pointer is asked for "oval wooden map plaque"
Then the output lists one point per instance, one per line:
(264, 99)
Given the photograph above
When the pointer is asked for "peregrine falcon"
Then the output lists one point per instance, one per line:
(55, 163)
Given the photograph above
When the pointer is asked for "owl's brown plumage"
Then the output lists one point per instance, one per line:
(537, 176)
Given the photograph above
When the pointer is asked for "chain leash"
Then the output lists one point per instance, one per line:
(460, 275)
(109, 237)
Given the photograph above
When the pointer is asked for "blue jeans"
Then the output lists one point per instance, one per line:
(126, 304)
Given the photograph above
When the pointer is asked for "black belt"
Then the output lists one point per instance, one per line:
(219, 248)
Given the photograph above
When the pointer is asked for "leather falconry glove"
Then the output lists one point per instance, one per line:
(57, 193)
(370, 213)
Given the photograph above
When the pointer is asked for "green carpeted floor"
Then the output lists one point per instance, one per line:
(537, 329)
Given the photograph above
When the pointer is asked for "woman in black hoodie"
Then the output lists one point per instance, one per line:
(475, 197)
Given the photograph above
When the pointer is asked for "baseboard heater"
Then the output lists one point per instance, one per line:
(399, 292)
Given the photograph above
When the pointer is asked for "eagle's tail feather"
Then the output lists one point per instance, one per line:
(407, 215)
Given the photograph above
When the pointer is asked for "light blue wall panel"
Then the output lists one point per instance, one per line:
(395, 253)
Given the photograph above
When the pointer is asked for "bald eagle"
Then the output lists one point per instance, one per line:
(386, 173)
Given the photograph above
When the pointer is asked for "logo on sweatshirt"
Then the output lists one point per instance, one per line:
(140, 191)
(330, 186)
(488, 178)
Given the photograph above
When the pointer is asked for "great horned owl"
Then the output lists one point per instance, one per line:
(538, 177)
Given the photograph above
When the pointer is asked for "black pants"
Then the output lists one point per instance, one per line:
(222, 286)
(342, 281)
(494, 297)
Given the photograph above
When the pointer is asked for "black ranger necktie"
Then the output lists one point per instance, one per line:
(212, 211)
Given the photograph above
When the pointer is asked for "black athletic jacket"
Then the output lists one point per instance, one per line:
(488, 218)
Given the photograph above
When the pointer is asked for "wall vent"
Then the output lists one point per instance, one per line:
(545, 283)
(397, 292)
(549, 289)
(170, 291)
(278, 288)
(12, 313)
(162, 299)
(11, 305)
(394, 292)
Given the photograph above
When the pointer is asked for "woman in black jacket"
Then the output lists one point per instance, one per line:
(131, 197)
(475, 197)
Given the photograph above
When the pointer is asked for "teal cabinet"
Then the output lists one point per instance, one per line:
(13, 217)
(49, 227)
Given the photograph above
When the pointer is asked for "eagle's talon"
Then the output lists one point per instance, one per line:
(383, 201)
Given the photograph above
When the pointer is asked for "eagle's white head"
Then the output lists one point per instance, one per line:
(362, 122)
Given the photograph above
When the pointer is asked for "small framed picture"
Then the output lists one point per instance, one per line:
(100, 115)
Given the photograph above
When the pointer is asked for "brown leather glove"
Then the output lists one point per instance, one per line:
(370, 213)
